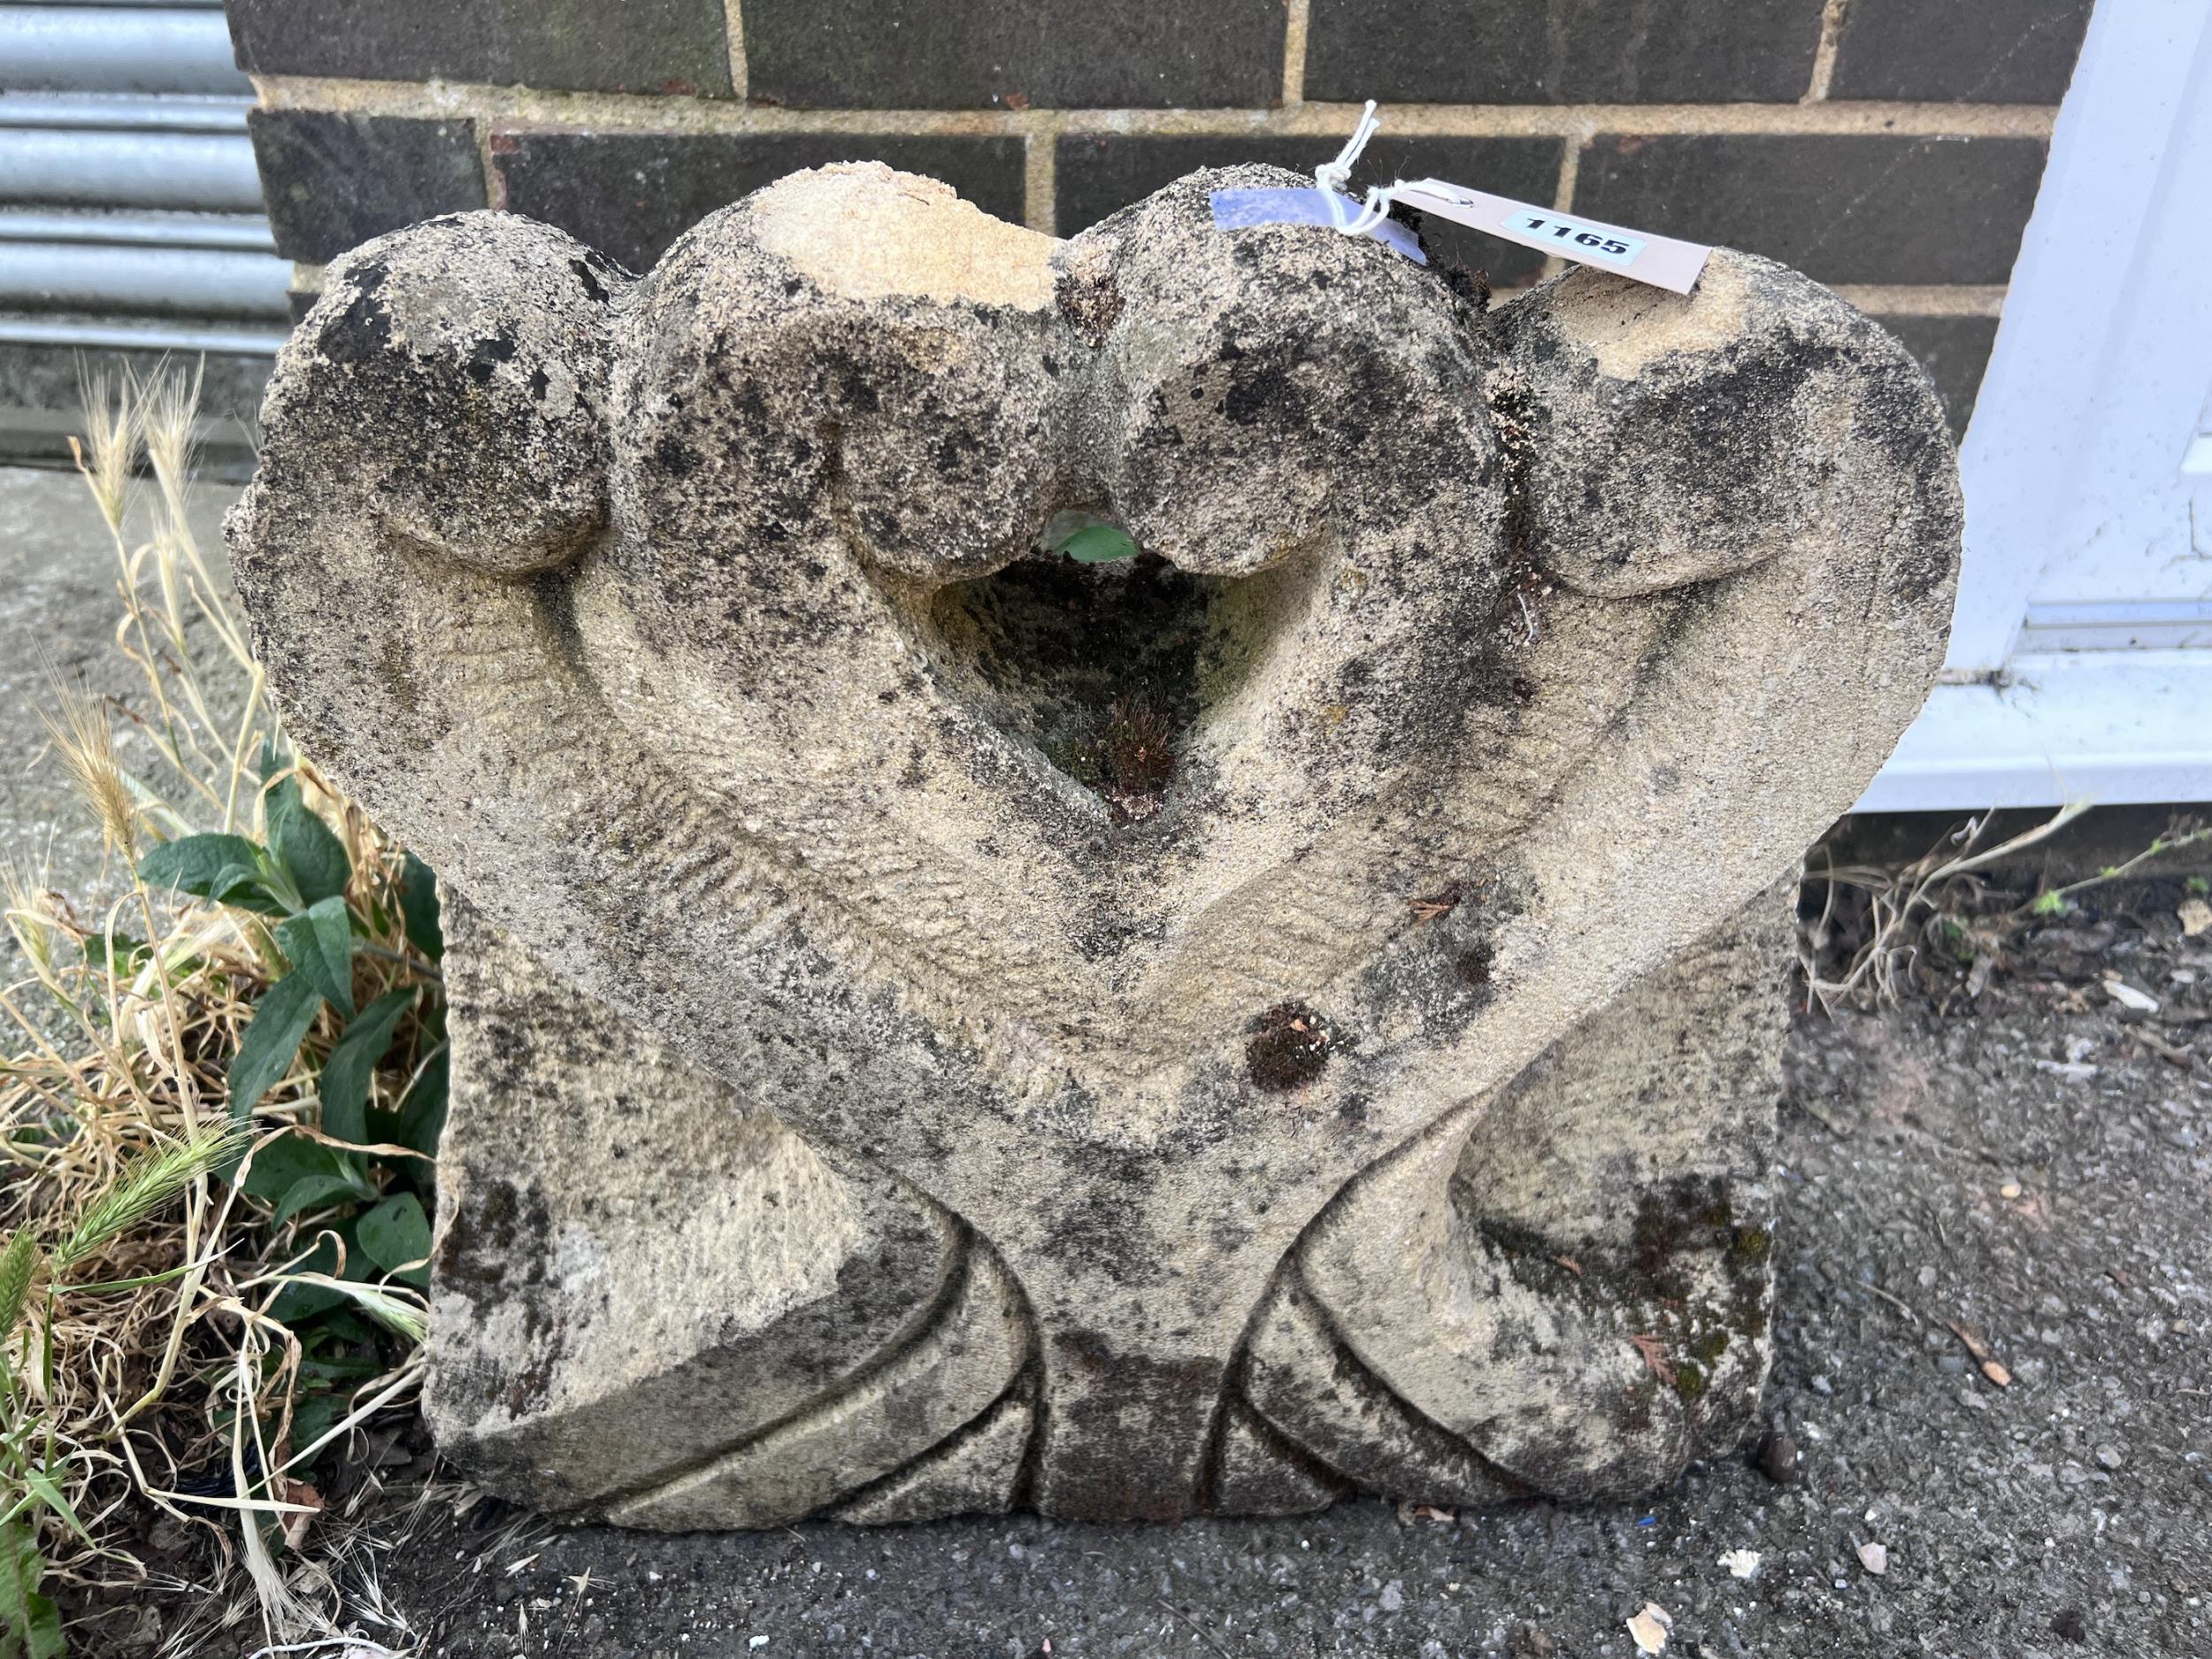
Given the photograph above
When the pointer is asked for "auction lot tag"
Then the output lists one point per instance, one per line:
(1659, 260)
(1235, 208)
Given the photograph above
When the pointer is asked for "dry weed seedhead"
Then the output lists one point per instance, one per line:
(28, 920)
(110, 417)
(84, 742)
(1136, 751)
(166, 404)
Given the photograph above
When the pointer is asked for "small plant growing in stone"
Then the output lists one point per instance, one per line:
(222, 1113)
(1136, 750)
(1088, 539)
(1129, 756)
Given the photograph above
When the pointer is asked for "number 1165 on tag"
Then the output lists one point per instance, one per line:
(1577, 239)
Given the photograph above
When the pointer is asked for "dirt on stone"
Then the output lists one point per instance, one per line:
(1289, 1046)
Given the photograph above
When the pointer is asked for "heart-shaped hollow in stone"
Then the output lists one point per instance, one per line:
(940, 1026)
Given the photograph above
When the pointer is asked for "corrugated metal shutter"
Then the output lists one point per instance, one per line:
(130, 211)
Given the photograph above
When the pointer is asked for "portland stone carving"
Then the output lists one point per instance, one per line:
(940, 1025)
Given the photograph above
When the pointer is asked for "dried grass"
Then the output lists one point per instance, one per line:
(1882, 930)
(149, 1373)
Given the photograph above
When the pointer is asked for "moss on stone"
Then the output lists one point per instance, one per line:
(1750, 1246)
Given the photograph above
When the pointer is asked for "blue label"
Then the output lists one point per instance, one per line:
(1233, 210)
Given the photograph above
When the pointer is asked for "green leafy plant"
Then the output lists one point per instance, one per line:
(221, 1120)
(30, 1624)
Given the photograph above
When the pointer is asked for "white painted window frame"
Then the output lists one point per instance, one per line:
(2102, 356)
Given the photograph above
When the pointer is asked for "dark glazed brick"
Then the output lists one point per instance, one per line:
(332, 181)
(1098, 176)
(670, 46)
(1982, 51)
(965, 54)
(630, 194)
(1842, 208)
(1954, 350)
(1563, 51)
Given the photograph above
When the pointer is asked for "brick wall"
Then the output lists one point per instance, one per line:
(1890, 148)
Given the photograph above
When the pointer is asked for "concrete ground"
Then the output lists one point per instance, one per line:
(57, 614)
(2037, 1169)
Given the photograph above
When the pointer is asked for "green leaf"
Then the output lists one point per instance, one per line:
(418, 904)
(303, 846)
(42, 1485)
(280, 1024)
(396, 1234)
(398, 1317)
(1100, 544)
(296, 1303)
(422, 1114)
(226, 868)
(312, 1418)
(340, 1328)
(417, 1124)
(247, 888)
(130, 954)
(318, 941)
(30, 1624)
(1088, 539)
(352, 1062)
(192, 862)
(310, 1190)
(289, 1159)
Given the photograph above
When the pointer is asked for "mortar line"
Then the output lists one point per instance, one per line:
(1877, 299)
(1903, 299)
(734, 25)
(1297, 16)
(1040, 176)
(517, 106)
(1563, 195)
(494, 180)
(1824, 54)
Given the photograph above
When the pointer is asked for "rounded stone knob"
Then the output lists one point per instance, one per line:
(464, 367)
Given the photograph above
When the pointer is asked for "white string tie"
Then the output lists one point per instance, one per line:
(1331, 178)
